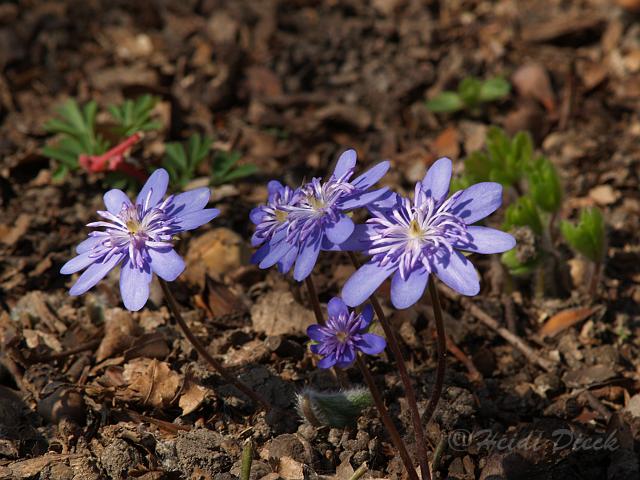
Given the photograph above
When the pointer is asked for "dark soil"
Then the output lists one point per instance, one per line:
(290, 84)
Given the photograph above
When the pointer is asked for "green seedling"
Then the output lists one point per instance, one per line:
(225, 170)
(334, 409)
(134, 116)
(544, 184)
(183, 159)
(587, 237)
(470, 94)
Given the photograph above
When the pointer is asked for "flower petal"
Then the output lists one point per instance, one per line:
(367, 316)
(157, 185)
(93, 274)
(347, 358)
(346, 162)
(114, 199)
(196, 219)
(259, 254)
(459, 274)
(286, 262)
(371, 176)
(371, 344)
(134, 286)
(77, 263)
(167, 264)
(273, 187)
(364, 282)
(328, 361)
(407, 292)
(438, 178)
(256, 215)
(389, 199)
(358, 241)
(190, 201)
(336, 306)
(477, 201)
(364, 199)
(316, 332)
(486, 240)
(89, 243)
(307, 258)
(339, 231)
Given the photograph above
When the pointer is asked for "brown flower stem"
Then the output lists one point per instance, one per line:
(200, 348)
(386, 419)
(313, 297)
(596, 272)
(442, 352)
(406, 381)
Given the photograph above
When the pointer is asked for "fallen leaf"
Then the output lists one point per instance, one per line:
(151, 382)
(192, 396)
(290, 469)
(604, 194)
(119, 333)
(565, 319)
(277, 313)
(532, 81)
(150, 345)
(447, 144)
(588, 376)
(215, 253)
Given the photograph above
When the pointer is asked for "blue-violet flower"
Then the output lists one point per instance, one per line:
(295, 225)
(140, 237)
(411, 239)
(344, 335)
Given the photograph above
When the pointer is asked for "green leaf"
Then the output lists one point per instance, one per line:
(237, 173)
(477, 167)
(134, 116)
(469, 91)
(493, 89)
(183, 159)
(445, 102)
(510, 260)
(545, 186)
(523, 213)
(588, 235)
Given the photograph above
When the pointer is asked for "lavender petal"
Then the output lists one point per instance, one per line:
(196, 219)
(361, 285)
(134, 285)
(307, 258)
(114, 199)
(486, 240)
(167, 264)
(406, 292)
(478, 201)
(77, 263)
(157, 185)
(371, 176)
(93, 274)
(336, 306)
(438, 178)
(339, 231)
(371, 344)
(346, 162)
(459, 274)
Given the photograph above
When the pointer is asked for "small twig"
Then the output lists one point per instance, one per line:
(90, 345)
(510, 313)
(513, 339)
(200, 348)
(597, 405)
(442, 353)
(362, 469)
(247, 459)
(386, 419)
(474, 374)
(410, 393)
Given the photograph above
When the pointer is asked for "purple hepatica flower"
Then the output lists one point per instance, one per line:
(314, 217)
(344, 335)
(140, 237)
(413, 238)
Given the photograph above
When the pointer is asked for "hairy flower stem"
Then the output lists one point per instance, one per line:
(200, 348)
(442, 352)
(406, 381)
(386, 419)
(315, 302)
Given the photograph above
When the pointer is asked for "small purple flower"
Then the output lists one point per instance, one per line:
(295, 225)
(140, 237)
(414, 238)
(344, 335)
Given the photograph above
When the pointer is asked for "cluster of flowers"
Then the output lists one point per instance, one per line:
(407, 239)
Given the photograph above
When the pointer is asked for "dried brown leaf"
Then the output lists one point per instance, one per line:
(192, 397)
(151, 381)
(565, 319)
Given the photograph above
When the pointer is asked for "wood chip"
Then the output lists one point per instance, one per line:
(565, 319)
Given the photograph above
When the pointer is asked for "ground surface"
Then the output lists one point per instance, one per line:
(290, 84)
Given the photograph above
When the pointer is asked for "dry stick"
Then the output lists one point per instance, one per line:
(514, 340)
(406, 381)
(217, 366)
(442, 353)
(386, 419)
